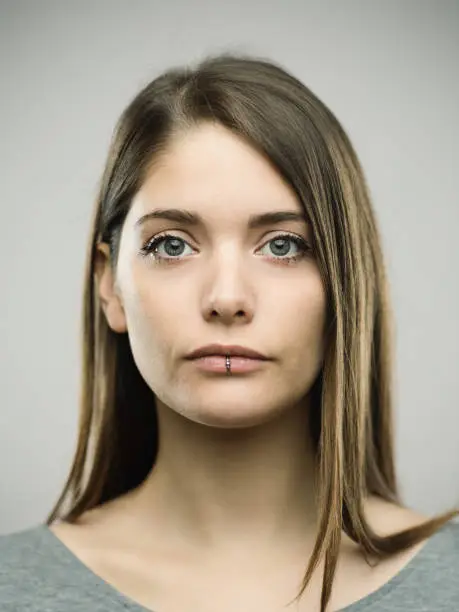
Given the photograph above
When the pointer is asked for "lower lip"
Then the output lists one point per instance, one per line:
(238, 364)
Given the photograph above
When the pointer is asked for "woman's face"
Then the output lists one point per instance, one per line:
(221, 281)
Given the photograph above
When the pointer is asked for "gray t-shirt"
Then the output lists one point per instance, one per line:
(38, 573)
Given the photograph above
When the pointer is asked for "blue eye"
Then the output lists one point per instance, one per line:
(173, 243)
(283, 243)
(174, 248)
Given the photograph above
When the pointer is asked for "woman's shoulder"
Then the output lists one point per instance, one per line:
(37, 572)
(443, 547)
(440, 550)
(425, 576)
(31, 570)
(16, 548)
(23, 551)
(431, 580)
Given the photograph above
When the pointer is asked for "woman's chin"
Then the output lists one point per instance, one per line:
(231, 418)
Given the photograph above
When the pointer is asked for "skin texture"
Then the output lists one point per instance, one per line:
(235, 462)
(228, 512)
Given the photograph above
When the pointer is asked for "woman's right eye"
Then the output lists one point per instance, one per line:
(174, 247)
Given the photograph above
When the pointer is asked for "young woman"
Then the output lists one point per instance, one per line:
(235, 447)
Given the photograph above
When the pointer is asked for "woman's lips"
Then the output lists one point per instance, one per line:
(217, 363)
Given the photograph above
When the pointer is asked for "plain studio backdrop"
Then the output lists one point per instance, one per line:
(388, 70)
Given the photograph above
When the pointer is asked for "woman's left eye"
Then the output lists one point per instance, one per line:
(282, 243)
(281, 247)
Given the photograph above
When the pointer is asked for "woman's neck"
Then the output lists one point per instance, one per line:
(214, 488)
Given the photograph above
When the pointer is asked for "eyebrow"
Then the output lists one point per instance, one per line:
(186, 217)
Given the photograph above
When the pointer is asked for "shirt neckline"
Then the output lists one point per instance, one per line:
(106, 591)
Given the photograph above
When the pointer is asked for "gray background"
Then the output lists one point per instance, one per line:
(389, 72)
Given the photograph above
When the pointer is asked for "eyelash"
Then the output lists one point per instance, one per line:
(150, 248)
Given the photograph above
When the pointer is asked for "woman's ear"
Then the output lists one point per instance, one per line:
(105, 283)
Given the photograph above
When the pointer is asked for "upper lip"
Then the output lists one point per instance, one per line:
(221, 349)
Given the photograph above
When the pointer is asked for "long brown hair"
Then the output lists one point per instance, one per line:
(351, 419)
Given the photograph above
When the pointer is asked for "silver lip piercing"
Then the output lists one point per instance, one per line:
(228, 364)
